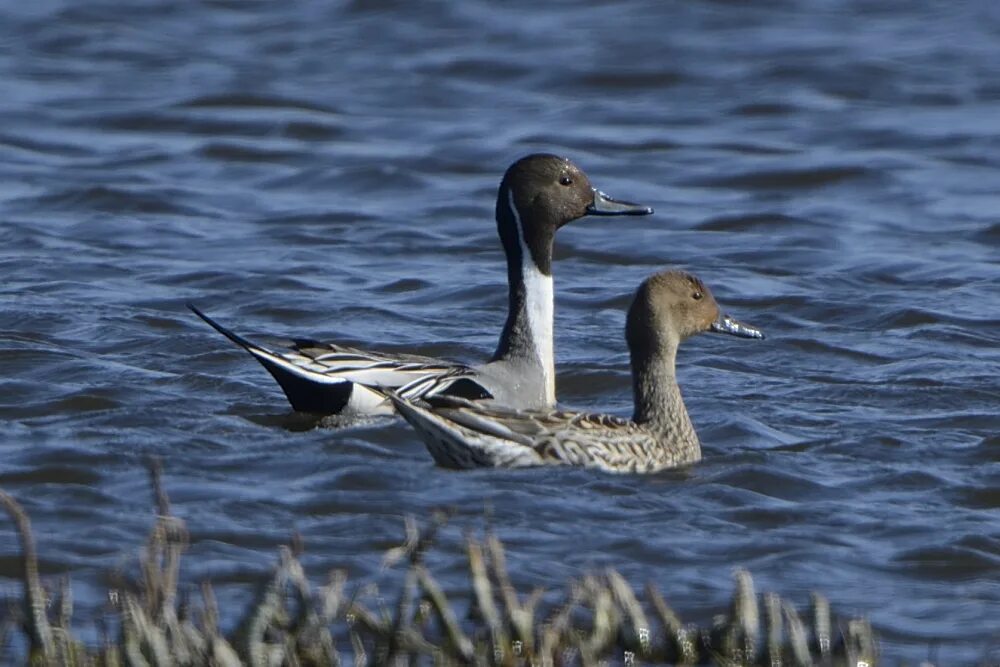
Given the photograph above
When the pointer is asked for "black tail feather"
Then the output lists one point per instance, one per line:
(245, 343)
(305, 396)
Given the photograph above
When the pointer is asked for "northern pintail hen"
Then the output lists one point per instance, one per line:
(538, 194)
(668, 308)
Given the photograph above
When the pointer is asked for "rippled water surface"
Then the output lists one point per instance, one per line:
(832, 169)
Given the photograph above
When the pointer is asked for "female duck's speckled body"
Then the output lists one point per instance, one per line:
(668, 308)
(538, 194)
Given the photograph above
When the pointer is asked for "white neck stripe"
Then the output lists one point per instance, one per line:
(538, 307)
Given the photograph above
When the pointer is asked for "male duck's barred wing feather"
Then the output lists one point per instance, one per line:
(368, 368)
(335, 353)
(457, 383)
(327, 378)
(328, 363)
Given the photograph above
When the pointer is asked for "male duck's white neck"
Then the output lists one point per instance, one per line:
(527, 335)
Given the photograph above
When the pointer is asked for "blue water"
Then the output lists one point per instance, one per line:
(328, 170)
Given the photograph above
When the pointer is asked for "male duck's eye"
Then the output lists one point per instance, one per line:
(697, 296)
(565, 180)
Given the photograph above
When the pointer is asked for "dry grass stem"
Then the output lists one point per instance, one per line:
(598, 620)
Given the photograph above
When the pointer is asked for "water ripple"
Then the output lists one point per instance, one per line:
(328, 170)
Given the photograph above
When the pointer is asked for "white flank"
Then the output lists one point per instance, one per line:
(539, 306)
(365, 401)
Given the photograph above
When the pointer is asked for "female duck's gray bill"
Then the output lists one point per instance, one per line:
(728, 325)
(605, 205)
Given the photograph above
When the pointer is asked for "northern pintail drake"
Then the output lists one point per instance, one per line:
(538, 194)
(668, 308)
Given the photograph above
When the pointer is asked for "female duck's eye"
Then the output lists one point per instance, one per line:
(697, 296)
(565, 180)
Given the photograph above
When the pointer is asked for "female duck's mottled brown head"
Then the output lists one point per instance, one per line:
(671, 306)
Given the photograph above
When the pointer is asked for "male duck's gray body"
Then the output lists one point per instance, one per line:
(538, 194)
(668, 308)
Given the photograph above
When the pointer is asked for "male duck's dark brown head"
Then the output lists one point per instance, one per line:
(539, 194)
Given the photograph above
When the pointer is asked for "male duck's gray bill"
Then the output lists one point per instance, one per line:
(727, 325)
(605, 205)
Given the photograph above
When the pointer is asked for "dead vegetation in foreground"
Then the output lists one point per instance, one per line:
(598, 620)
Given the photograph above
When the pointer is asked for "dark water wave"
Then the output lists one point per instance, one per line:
(328, 170)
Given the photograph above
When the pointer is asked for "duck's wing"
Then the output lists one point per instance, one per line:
(321, 377)
(466, 436)
(470, 441)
